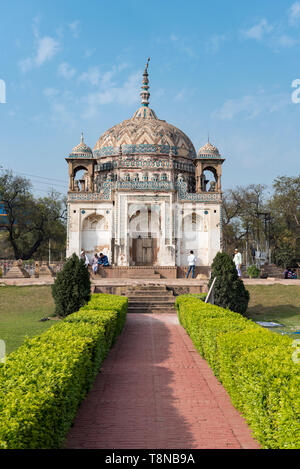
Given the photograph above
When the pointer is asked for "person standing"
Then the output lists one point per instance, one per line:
(238, 261)
(85, 258)
(95, 263)
(191, 262)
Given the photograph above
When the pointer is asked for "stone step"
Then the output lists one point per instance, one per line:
(154, 297)
(153, 300)
(150, 288)
(144, 276)
(148, 292)
(157, 310)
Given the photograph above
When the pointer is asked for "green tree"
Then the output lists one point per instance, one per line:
(241, 219)
(229, 289)
(31, 221)
(72, 287)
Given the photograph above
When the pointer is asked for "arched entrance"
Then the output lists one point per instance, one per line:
(144, 235)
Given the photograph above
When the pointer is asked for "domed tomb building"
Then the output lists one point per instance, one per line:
(144, 197)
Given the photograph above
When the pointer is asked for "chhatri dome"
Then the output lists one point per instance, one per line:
(144, 133)
(208, 151)
(81, 150)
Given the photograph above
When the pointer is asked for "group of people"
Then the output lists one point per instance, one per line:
(290, 273)
(102, 260)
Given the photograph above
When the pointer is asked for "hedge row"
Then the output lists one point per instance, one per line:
(43, 382)
(254, 365)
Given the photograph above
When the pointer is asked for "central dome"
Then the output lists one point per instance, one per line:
(144, 133)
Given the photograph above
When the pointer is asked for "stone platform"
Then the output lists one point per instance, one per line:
(122, 286)
(149, 272)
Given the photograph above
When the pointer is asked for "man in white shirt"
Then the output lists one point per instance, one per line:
(238, 261)
(84, 257)
(191, 262)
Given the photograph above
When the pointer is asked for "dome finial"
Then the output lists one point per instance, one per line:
(81, 137)
(145, 93)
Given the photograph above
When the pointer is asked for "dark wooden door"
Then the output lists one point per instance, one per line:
(142, 250)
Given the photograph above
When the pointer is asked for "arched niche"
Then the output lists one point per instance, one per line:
(81, 174)
(192, 222)
(209, 179)
(80, 178)
(94, 222)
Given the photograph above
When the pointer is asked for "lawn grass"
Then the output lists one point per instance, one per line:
(21, 308)
(278, 303)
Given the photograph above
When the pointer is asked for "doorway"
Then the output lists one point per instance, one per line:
(143, 251)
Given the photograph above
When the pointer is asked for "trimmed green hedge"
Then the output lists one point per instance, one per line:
(43, 382)
(254, 365)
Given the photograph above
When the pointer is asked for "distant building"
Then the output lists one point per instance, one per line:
(144, 196)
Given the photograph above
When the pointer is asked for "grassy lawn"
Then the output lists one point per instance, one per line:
(278, 303)
(21, 308)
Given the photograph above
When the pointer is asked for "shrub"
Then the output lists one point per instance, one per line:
(43, 382)
(254, 365)
(72, 287)
(253, 271)
(229, 289)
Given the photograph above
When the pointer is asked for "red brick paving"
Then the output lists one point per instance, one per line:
(156, 392)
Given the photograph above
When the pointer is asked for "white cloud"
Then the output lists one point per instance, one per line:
(214, 43)
(258, 31)
(94, 77)
(294, 13)
(64, 107)
(284, 41)
(181, 96)
(125, 94)
(182, 47)
(276, 36)
(66, 71)
(74, 27)
(25, 64)
(50, 92)
(47, 48)
(89, 52)
(249, 107)
(91, 76)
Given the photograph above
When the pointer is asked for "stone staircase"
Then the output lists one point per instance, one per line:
(144, 273)
(150, 299)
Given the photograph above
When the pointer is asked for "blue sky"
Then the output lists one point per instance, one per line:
(223, 67)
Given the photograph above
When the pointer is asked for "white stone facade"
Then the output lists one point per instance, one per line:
(143, 196)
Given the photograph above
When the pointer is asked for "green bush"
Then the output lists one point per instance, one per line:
(43, 382)
(254, 365)
(72, 287)
(253, 271)
(229, 289)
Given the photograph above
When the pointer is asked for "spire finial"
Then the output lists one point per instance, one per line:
(81, 137)
(208, 137)
(145, 93)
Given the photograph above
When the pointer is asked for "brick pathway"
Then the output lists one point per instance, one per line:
(156, 392)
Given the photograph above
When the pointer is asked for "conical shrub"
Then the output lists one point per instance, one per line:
(72, 287)
(229, 289)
